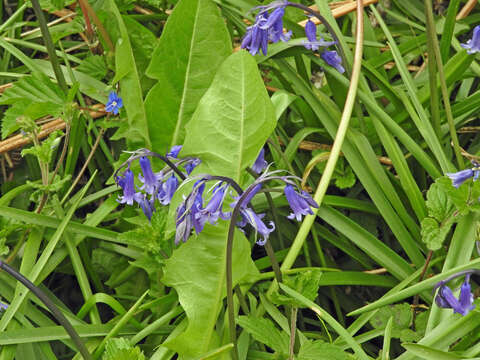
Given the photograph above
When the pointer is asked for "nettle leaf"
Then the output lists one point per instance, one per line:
(264, 331)
(314, 350)
(402, 319)
(95, 66)
(442, 213)
(194, 43)
(34, 96)
(120, 349)
(305, 283)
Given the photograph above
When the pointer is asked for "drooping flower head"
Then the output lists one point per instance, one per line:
(473, 45)
(126, 182)
(459, 177)
(213, 210)
(174, 151)
(167, 189)
(147, 205)
(260, 164)
(312, 42)
(445, 298)
(333, 59)
(188, 213)
(114, 103)
(300, 203)
(149, 179)
(267, 26)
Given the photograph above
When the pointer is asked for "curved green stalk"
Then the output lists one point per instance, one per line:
(337, 145)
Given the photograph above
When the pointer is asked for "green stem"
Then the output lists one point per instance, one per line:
(51, 306)
(443, 84)
(49, 45)
(337, 145)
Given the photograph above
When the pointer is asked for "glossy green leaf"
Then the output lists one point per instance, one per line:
(243, 119)
(193, 45)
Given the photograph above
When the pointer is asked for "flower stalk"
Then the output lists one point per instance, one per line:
(337, 145)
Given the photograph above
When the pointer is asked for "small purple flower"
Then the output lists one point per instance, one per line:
(445, 298)
(257, 36)
(260, 164)
(332, 59)
(191, 165)
(149, 179)
(167, 189)
(213, 211)
(249, 216)
(274, 26)
(127, 184)
(147, 206)
(460, 177)
(473, 45)
(3, 306)
(300, 203)
(311, 33)
(174, 151)
(187, 214)
(114, 103)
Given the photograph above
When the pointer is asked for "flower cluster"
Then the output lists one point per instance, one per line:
(445, 298)
(473, 45)
(268, 26)
(193, 215)
(158, 186)
(460, 177)
(202, 205)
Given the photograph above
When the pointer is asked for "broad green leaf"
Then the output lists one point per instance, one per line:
(233, 120)
(95, 66)
(136, 126)
(194, 43)
(197, 271)
(264, 331)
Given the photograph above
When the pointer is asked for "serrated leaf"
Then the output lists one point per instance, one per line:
(433, 234)
(305, 283)
(36, 88)
(120, 349)
(194, 43)
(315, 350)
(438, 204)
(95, 66)
(264, 331)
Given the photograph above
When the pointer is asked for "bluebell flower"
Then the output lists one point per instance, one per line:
(267, 26)
(274, 26)
(174, 151)
(260, 164)
(191, 165)
(187, 214)
(300, 203)
(333, 59)
(114, 103)
(128, 186)
(256, 37)
(147, 205)
(3, 306)
(460, 177)
(311, 33)
(445, 298)
(473, 45)
(255, 220)
(149, 179)
(213, 210)
(167, 189)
